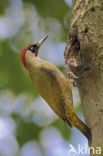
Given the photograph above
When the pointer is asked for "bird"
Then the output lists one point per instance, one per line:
(52, 85)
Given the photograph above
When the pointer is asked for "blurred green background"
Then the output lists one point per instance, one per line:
(28, 126)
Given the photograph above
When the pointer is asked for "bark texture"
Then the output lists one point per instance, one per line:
(85, 45)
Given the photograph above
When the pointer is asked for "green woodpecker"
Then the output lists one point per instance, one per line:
(52, 85)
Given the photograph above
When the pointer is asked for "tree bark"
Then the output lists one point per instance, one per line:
(85, 45)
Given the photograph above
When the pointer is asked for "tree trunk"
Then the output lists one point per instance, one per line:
(85, 46)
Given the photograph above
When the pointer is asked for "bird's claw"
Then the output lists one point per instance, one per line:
(72, 62)
(71, 74)
(71, 77)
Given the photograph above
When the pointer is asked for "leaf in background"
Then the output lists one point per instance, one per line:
(3, 6)
(55, 9)
(13, 76)
(25, 131)
(63, 128)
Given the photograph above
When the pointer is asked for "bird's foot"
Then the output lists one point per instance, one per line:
(72, 76)
(72, 62)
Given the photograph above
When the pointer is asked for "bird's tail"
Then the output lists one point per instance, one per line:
(76, 122)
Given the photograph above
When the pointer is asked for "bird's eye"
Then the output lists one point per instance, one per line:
(32, 48)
